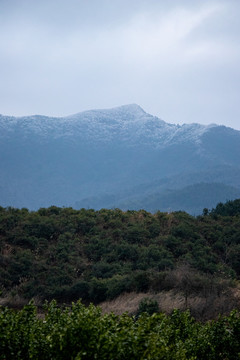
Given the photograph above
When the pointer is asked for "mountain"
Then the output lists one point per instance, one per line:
(111, 157)
(193, 198)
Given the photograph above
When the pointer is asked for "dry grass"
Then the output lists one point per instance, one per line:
(201, 308)
(16, 301)
(128, 302)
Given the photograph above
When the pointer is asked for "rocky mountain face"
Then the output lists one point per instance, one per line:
(121, 157)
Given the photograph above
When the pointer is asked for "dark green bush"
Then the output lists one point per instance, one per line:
(148, 306)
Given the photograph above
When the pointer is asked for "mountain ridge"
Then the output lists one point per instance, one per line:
(119, 119)
(60, 161)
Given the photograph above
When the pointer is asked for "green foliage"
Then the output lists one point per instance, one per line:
(148, 306)
(81, 332)
(230, 208)
(69, 254)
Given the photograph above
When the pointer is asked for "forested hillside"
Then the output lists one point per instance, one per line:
(67, 254)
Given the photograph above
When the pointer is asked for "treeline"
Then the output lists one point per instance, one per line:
(67, 254)
(83, 332)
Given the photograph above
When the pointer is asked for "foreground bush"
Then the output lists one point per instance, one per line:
(84, 333)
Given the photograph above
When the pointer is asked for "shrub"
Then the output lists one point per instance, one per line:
(148, 306)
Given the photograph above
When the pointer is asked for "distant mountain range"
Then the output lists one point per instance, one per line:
(121, 157)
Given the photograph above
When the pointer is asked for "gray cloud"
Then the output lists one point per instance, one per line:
(179, 62)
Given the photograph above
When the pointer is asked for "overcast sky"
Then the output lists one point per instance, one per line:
(177, 59)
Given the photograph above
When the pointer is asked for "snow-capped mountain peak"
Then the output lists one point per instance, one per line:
(126, 123)
(50, 160)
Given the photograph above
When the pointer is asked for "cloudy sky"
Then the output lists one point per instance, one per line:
(177, 59)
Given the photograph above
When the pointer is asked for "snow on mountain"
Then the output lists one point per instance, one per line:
(127, 123)
(97, 153)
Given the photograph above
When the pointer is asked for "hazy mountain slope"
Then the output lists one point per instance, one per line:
(46, 160)
(192, 198)
(215, 185)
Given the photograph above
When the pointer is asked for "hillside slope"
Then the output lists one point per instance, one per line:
(66, 254)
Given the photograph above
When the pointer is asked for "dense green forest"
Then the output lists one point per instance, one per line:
(66, 254)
